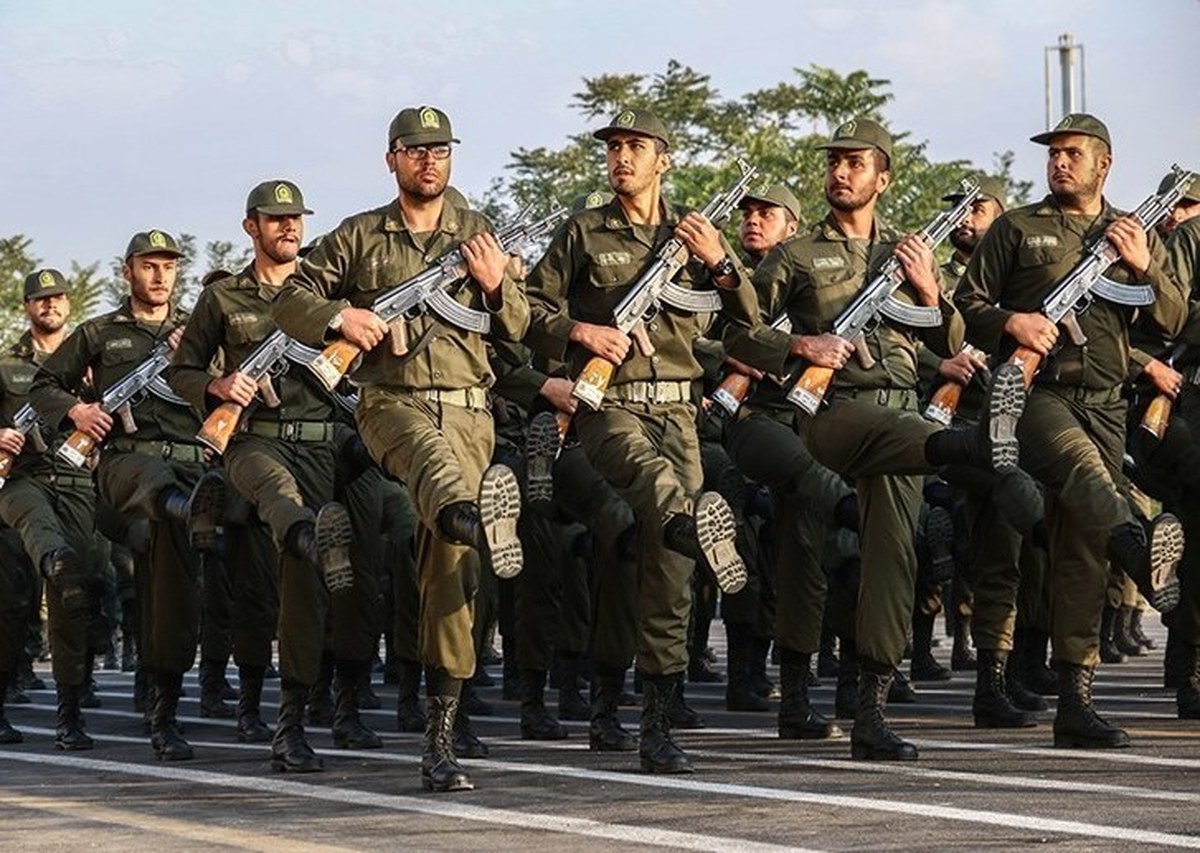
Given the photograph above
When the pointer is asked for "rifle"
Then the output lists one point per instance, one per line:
(943, 405)
(120, 400)
(27, 422)
(656, 287)
(1076, 292)
(863, 314)
(736, 387)
(1157, 416)
(428, 292)
(269, 359)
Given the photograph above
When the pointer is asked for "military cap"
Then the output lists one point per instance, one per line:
(989, 187)
(1082, 123)
(596, 198)
(423, 125)
(861, 133)
(642, 122)
(276, 198)
(1191, 193)
(152, 243)
(45, 282)
(776, 195)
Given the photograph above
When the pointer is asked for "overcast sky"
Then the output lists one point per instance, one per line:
(121, 115)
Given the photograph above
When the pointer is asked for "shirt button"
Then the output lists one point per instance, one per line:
(654, 327)
(654, 359)
(437, 374)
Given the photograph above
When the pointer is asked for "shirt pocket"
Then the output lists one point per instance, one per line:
(832, 290)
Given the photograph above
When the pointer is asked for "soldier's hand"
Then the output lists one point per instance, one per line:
(363, 328)
(1130, 239)
(486, 261)
(608, 342)
(827, 350)
(962, 367)
(702, 239)
(1034, 331)
(1165, 378)
(742, 368)
(920, 268)
(558, 392)
(91, 420)
(11, 441)
(237, 387)
(175, 337)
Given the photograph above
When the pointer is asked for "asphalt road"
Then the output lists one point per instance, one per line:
(971, 789)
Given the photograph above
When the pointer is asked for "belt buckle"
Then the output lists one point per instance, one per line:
(1196, 376)
(165, 449)
(289, 431)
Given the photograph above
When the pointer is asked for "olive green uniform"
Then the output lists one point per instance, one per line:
(1072, 432)
(424, 418)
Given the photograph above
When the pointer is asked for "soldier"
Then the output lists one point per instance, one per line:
(148, 473)
(1072, 432)
(424, 416)
(869, 431)
(283, 464)
(50, 505)
(643, 437)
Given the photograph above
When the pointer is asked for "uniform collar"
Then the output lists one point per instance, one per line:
(831, 230)
(616, 219)
(248, 280)
(956, 265)
(1049, 207)
(449, 223)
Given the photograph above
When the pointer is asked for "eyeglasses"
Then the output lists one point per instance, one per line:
(418, 152)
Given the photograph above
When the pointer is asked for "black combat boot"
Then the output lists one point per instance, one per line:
(290, 751)
(320, 695)
(212, 692)
(901, 692)
(739, 690)
(165, 735)
(871, 738)
(658, 752)
(680, 714)
(1187, 697)
(1176, 661)
(250, 725)
(1123, 637)
(68, 732)
(605, 733)
(440, 770)
(1019, 694)
(845, 699)
(89, 698)
(1077, 724)
(1149, 552)
(490, 525)
(571, 704)
(992, 444)
(470, 702)
(536, 722)
(66, 576)
(1135, 628)
(708, 537)
(542, 443)
(1036, 674)
(797, 718)
(1109, 653)
(827, 660)
(368, 699)
(7, 733)
(510, 671)
(325, 545)
(466, 743)
(962, 653)
(760, 650)
(992, 707)
(349, 732)
(923, 666)
(410, 717)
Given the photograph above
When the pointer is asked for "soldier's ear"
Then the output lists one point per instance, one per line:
(391, 163)
(664, 163)
(883, 181)
(127, 272)
(250, 226)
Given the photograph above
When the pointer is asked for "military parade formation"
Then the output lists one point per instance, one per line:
(410, 431)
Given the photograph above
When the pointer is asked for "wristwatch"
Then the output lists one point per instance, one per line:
(335, 325)
(724, 268)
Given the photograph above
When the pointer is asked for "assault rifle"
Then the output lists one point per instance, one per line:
(1076, 292)
(944, 403)
(656, 288)
(119, 400)
(26, 422)
(875, 301)
(428, 292)
(735, 387)
(1157, 416)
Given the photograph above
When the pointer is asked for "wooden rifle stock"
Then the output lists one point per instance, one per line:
(1029, 362)
(943, 406)
(335, 362)
(77, 448)
(810, 388)
(1158, 416)
(593, 381)
(219, 427)
(6, 464)
(732, 392)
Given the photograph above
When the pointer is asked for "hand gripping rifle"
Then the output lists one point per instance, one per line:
(120, 400)
(1157, 416)
(875, 301)
(26, 422)
(735, 387)
(1076, 292)
(943, 405)
(655, 288)
(428, 292)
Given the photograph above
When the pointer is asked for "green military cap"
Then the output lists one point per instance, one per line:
(276, 198)
(776, 195)
(861, 133)
(45, 282)
(1083, 123)
(1192, 193)
(643, 122)
(989, 187)
(152, 243)
(420, 126)
(596, 198)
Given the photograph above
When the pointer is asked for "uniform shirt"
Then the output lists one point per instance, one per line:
(590, 266)
(813, 277)
(231, 318)
(1183, 257)
(111, 346)
(372, 252)
(18, 366)
(1025, 253)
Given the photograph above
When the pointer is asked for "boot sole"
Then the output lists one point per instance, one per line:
(1166, 550)
(281, 766)
(1006, 403)
(464, 785)
(541, 449)
(668, 770)
(716, 529)
(939, 539)
(867, 753)
(334, 534)
(499, 509)
(205, 511)
(1068, 742)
